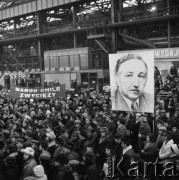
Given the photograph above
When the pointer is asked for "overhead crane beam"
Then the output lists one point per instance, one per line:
(112, 25)
(144, 42)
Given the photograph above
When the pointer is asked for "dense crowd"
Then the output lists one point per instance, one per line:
(79, 137)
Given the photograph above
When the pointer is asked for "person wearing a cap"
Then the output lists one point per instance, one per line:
(29, 162)
(165, 151)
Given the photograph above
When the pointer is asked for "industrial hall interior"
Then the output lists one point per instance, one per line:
(66, 41)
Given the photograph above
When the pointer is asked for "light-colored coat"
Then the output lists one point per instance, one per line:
(165, 150)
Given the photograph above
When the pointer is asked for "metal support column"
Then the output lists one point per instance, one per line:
(40, 42)
(74, 25)
(169, 25)
(15, 27)
(113, 20)
(120, 7)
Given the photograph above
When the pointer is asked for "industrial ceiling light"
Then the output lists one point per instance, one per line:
(153, 8)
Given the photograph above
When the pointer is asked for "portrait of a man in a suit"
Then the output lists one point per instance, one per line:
(131, 74)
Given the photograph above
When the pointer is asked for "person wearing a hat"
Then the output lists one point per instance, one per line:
(76, 130)
(165, 151)
(62, 171)
(29, 162)
(38, 174)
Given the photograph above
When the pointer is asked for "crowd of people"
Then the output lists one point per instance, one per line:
(80, 138)
(29, 81)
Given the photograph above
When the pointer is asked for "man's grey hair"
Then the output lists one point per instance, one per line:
(127, 57)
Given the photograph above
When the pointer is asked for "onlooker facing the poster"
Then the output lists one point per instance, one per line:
(131, 73)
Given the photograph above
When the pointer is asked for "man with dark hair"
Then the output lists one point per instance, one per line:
(131, 74)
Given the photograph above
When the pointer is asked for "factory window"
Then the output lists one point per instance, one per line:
(74, 60)
(46, 61)
(64, 61)
(84, 61)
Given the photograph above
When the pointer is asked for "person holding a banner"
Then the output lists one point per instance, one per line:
(131, 74)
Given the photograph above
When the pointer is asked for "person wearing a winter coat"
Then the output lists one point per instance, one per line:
(90, 165)
(144, 131)
(150, 151)
(30, 162)
(61, 170)
(39, 174)
(165, 151)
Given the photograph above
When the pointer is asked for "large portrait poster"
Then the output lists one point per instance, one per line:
(132, 81)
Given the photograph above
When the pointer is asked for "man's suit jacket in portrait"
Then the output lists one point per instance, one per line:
(146, 103)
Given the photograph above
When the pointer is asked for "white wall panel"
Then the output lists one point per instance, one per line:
(55, 2)
(49, 3)
(4, 14)
(8, 12)
(1, 16)
(44, 4)
(29, 7)
(20, 10)
(16, 10)
(12, 14)
(34, 6)
(39, 4)
(60, 2)
(24, 8)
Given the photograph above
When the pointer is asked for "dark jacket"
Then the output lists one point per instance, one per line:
(62, 173)
(28, 168)
(150, 152)
(91, 172)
